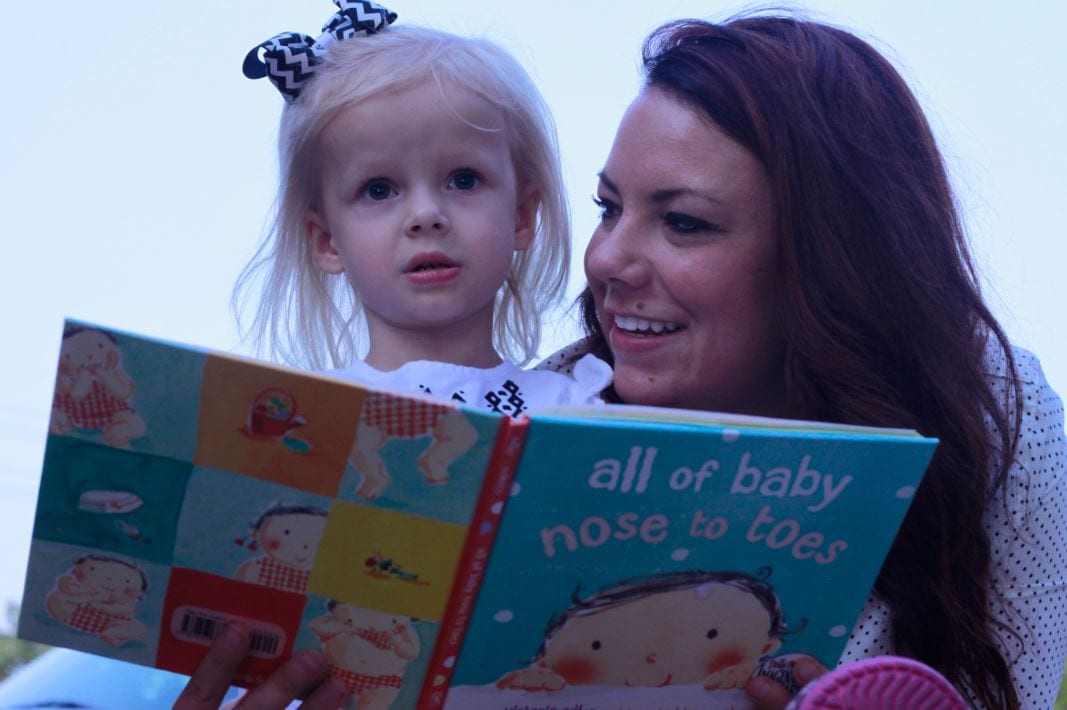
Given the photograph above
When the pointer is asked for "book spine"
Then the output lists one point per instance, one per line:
(472, 561)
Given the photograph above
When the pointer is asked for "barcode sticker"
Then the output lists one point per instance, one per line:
(200, 626)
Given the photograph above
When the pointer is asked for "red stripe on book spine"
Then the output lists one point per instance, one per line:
(472, 561)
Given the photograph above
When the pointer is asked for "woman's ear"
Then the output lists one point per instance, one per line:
(323, 253)
(526, 217)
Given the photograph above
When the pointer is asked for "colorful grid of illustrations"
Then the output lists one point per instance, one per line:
(183, 488)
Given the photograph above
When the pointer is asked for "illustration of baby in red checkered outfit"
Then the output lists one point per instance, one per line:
(289, 537)
(367, 650)
(99, 595)
(93, 390)
(384, 417)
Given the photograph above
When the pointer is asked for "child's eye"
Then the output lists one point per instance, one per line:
(608, 209)
(465, 179)
(378, 190)
(686, 224)
(596, 645)
(712, 633)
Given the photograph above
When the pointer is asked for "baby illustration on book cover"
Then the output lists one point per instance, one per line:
(288, 536)
(99, 595)
(367, 650)
(673, 628)
(386, 417)
(93, 391)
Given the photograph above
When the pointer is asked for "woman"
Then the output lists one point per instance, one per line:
(779, 238)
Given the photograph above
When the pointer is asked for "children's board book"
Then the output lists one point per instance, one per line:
(444, 554)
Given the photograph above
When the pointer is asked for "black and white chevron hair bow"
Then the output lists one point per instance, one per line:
(290, 58)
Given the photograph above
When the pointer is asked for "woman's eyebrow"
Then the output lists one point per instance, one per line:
(664, 195)
(667, 195)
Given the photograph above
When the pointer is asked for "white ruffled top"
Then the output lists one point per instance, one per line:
(506, 388)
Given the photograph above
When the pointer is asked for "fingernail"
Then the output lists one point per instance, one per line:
(335, 691)
(233, 637)
(806, 671)
(760, 690)
(311, 662)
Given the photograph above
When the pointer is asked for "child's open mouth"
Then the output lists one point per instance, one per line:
(429, 267)
(425, 269)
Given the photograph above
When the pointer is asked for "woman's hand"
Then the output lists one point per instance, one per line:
(768, 694)
(292, 679)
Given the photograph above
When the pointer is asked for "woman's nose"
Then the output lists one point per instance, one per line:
(427, 218)
(611, 257)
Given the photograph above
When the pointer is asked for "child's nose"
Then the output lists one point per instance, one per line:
(427, 219)
(428, 225)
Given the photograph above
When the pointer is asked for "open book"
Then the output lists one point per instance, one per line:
(442, 555)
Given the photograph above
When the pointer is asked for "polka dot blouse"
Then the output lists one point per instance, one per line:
(1028, 537)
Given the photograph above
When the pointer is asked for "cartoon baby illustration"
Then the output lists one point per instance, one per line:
(367, 650)
(384, 417)
(289, 537)
(93, 391)
(99, 595)
(675, 628)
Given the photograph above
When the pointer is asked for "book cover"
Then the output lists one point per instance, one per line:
(661, 565)
(443, 556)
(182, 488)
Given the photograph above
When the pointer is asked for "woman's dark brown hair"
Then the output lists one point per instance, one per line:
(878, 299)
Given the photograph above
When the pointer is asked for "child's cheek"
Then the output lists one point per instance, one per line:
(577, 670)
(130, 592)
(272, 544)
(724, 659)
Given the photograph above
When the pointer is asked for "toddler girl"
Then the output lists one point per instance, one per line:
(421, 190)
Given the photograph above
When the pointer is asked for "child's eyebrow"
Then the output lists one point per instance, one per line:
(608, 182)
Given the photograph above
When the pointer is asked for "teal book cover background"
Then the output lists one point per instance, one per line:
(605, 516)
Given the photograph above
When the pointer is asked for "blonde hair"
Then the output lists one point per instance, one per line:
(309, 318)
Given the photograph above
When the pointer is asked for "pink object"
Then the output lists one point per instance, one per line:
(881, 683)
(278, 575)
(93, 620)
(380, 639)
(273, 413)
(109, 501)
(358, 682)
(93, 411)
(404, 418)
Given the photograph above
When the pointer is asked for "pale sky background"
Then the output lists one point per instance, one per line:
(137, 164)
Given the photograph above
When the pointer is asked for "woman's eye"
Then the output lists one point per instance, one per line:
(464, 180)
(378, 190)
(608, 209)
(685, 224)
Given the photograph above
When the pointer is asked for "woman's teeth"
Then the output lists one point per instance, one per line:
(645, 327)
